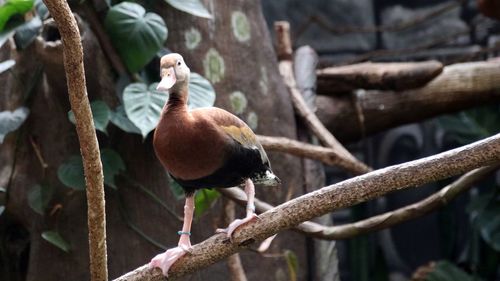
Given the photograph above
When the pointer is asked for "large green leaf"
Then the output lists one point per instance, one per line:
(201, 92)
(446, 271)
(100, 113)
(193, 7)
(6, 65)
(120, 119)
(13, 7)
(39, 198)
(143, 105)
(70, 173)
(484, 212)
(11, 120)
(112, 164)
(137, 35)
(203, 200)
(26, 33)
(54, 238)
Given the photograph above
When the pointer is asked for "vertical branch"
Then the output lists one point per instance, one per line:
(234, 265)
(73, 65)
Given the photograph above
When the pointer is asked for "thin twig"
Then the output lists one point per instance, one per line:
(75, 74)
(300, 105)
(328, 156)
(328, 199)
(385, 220)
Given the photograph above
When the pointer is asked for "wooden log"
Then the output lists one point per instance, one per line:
(381, 76)
(460, 86)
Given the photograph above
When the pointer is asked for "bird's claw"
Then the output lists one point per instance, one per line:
(165, 260)
(235, 224)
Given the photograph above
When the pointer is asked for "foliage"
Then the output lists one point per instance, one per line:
(13, 7)
(100, 113)
(293, 264)
(54, 238)
(193, 7)
(137, 35)
(11, 120)
(70, 173)
(446, 271)
(203, 200)
(39, 198)
(484, 213)
(6, 65)
(201, 92)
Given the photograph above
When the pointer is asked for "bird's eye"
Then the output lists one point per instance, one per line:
(179, 63)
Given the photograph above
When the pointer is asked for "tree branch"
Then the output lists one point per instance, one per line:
(381, 76)
(236, 270)
(330, 198)
(89, 147)
(326, 155)
(301, 107)
(459, 86)
(385, 220)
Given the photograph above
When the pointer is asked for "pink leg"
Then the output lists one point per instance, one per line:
(250, 191)
(164, 261)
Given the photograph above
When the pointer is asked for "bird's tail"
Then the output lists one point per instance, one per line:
(268, 178)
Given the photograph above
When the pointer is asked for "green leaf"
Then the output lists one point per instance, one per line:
(201, 92)
(100, 113)
(6, 65)
(471, 125)
(13, 7)
(446, 271)
(137, 35)
(2, 208)
(10, 30)
(39, 198)
(143, 105)
(70, 173)
(112, 164)
(193, 7)
(41, 9)
(120, 119)
(293, 264)
(26, 33)
(203, 200)
(11, 120)
(54, 238)
(484, 212)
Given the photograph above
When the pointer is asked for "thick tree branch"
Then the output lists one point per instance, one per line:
(301, 107)
(459, 86)
(381, 76)
(236, 270)
(73, 65)
(330, 198)
(328, 156)
(385, 220)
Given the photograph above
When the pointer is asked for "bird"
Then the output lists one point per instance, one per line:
(204, 148)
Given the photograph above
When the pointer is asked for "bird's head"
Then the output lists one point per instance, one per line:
(173, 71)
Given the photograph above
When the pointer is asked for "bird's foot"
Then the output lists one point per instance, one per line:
(165, 260)
(235, 224)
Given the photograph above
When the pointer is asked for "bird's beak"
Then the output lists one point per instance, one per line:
(167, 81)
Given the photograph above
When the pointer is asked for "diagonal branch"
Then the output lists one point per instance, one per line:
(326, 155)
(329, 198)
(302, 109)
(89, 147)
(385, 220)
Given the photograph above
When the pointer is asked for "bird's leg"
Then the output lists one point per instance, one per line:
(250, 192)
(165, 260)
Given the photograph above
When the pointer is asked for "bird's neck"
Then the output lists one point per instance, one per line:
(177, 100)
